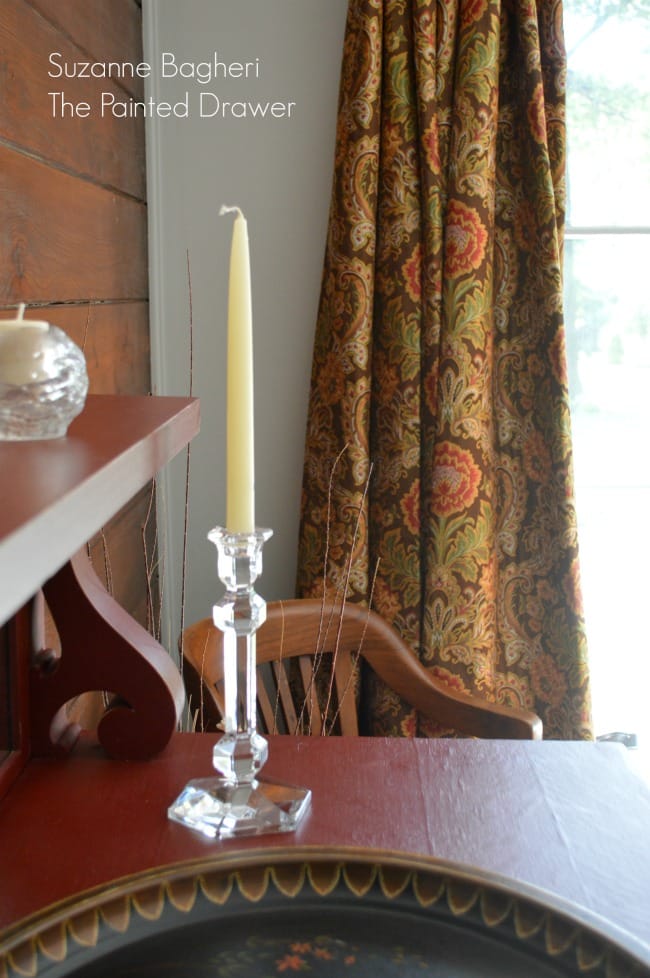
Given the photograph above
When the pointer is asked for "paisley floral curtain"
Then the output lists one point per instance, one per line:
(438, 473)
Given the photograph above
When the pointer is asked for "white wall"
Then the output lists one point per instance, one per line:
(279, 172)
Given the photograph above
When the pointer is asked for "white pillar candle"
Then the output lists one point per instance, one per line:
(20, 321)
(23, 350)
(240, 453)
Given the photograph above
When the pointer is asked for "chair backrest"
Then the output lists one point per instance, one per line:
(302, 643)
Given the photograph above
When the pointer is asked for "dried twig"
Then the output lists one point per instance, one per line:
(276, 708)
(348, 571)
(187, 459)
(85, 336)
(322, 636)
(108, 573)
(149, 564)
(161, 588)
(201, 695)
(357, 655)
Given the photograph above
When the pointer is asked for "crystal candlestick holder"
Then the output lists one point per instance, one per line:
(235, 802)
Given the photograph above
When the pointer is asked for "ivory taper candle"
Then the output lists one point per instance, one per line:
(240, 440)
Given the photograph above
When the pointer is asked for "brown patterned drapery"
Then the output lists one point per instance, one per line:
(438, 473)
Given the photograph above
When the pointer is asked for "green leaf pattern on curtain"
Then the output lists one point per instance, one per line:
(438, 472)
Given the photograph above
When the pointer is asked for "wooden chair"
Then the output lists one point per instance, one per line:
(301, 640)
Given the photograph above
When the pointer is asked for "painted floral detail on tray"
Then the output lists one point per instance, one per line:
(269, 956)
(324, 955)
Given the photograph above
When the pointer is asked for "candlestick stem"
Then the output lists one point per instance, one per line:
(241, 752)
(236, 802)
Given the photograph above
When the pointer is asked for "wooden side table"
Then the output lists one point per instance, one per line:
(58, 493)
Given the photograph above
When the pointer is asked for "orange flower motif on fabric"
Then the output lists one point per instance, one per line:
(410, 506)
(385, 601)
(466, 239)
(450, 679)
(456, 478)
(488, 574)
(548, 682)
(432, 145)
(537, 457)
(558, 358)
(413, 274)
(537, 114)
(409, 725)
(472, 10)
(426, 28)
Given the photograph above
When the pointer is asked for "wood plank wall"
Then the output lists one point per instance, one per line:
(73, 219)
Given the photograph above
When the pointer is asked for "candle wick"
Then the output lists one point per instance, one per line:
(230, 210)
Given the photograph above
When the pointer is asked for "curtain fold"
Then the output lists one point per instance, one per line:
(438, 474)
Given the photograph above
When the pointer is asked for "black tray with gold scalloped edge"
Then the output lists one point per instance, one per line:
(318, 912)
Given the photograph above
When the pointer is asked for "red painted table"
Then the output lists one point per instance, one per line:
(568, 819)
(468, 830)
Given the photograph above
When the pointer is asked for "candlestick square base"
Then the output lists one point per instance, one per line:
(221, 809)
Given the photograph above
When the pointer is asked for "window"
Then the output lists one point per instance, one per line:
(607, 305)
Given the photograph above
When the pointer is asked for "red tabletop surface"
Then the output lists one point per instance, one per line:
(568, 818)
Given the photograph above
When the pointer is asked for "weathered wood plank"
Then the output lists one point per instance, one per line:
(107, 30)
(64, 239)
(105, 149)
